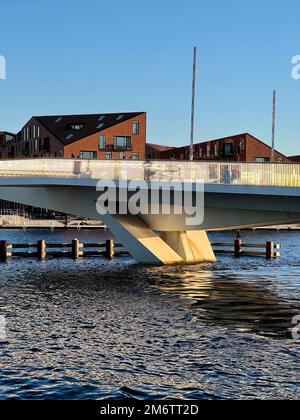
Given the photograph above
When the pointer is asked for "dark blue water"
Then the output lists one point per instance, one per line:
(94, 329)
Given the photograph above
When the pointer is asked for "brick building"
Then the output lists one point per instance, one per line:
(295, 159)
(153, 151)
(239, 148)
(98, 136)
(7, 141)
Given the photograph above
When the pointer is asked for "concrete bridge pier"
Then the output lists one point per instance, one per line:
(165, 248)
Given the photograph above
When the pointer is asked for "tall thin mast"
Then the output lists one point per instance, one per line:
(273, 127)
(193, 105)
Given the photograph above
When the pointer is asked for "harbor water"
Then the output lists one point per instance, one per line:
(99, 329)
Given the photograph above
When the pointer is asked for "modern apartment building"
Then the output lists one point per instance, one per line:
(238, 148)
(7, 141)
(97, 136)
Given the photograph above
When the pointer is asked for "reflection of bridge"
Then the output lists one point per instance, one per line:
(237, 195)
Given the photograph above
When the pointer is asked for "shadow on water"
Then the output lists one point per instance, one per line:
(218, 298)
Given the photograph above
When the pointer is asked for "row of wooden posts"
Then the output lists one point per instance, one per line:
(270, 249)
(109, 249)
(74, 250)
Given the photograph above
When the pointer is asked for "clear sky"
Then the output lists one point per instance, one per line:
(94, 56)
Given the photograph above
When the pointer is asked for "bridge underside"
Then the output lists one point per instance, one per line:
(164, 239)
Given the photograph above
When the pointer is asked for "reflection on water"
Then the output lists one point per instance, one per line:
(225, 300)
(95, 329)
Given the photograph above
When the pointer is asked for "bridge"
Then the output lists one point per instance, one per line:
(236, 196)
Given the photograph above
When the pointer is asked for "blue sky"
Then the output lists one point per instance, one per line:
(95, 56)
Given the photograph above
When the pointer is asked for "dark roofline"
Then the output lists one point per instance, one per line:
(87, 115)
(127, 116)
(46, 128)
(8, 132)
(161, 145)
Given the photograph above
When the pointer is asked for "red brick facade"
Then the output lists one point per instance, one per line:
(124, 129)
(38, 141)
(240, 148)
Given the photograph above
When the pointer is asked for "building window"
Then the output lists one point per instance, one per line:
(122, 156)
(120, 117)
(228, 149)
(200, 153)
(241, 147)
(108, 156)
(280, 160)
(216, 149)
(135, 156)
(208, 150)
(136, 128)
(69, 136)
(261, 159)
(102, 142)
(122, 144)
(88, 155)
(76, 127)
(46, 144)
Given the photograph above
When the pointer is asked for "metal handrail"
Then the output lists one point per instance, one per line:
(15, 212)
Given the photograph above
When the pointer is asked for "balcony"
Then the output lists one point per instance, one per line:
(122, 144)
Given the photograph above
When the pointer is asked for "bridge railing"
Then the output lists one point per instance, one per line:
(261, 174)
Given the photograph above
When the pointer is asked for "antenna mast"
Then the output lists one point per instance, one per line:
(273, 127)
(193, 105)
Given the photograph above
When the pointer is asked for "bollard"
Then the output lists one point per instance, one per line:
(269, 250)
(237, 248)
(41, 250)
(4, 254)
(76, 249)
(109, 249)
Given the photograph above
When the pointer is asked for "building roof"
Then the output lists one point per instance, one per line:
(7, 132)
(294, 158)
(160, 147)
(234, 137)
(71, 128)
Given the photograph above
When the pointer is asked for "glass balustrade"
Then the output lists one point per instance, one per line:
(259, 174)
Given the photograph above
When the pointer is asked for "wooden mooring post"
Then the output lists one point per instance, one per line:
(4, 247)
(41, 249)
(268, 250)
(76, 249)
(109, 249)
(238, 248)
